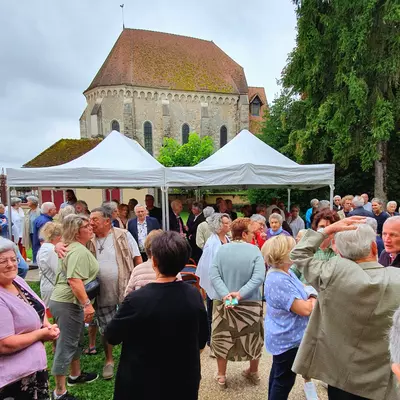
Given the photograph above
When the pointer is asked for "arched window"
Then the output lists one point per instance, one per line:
(255, 107)
(148, 137)
(185, 133)
(223, 136)
(115, 126)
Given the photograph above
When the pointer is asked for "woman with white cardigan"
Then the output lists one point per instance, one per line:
(220, 225)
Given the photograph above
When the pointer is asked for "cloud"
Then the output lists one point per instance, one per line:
(52, 50)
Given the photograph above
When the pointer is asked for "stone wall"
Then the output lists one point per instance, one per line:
(167, 110)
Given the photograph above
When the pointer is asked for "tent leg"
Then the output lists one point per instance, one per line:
(332, 189)
(9, 212)
(166, 209)
(288, 198)
(163, 208)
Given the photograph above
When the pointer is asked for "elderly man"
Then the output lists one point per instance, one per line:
(295, 222)
(194, 220)
(379, 214)
(153, 211)
(30, 217)
(117, 253)
(203, 230)
(358, 208)
(141, 226)
(310, 211)
(346, 344)
(367, 204)
(175, 221)
(337, 203)
(48, 211)
(391, 208)
(394, 344)
(390, 257)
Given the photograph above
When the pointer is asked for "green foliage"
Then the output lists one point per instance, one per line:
(197, 149)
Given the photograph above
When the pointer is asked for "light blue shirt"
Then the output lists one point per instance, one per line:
(284, 329)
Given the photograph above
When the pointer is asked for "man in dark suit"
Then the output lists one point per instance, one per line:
(141, 226)
(229, 209)
(194, 220)
(175, 221)
(153, 211)
(358, 208)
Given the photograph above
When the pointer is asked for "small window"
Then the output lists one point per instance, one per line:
(255, 107)
(185, 133)
(115, 126)
(148, 137)
(223, 136)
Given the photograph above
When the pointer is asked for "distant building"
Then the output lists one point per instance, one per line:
(154, 85)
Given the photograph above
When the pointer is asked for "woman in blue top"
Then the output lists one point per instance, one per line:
(288, 309)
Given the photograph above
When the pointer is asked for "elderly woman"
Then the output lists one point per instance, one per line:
(112, 207)
(391, 208)
(81, 207)
(23, 329)
(237, 273)
(220, 225)
(347, 206)
(260, 226)
(17, 219)
(47, 259)
(70, 305)
(30, 217)
(356, 299)
(203, 230)
(163, 321)
(289, 306)
(275, 223)
(380, 215)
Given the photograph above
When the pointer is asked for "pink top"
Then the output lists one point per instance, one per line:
(18, 317)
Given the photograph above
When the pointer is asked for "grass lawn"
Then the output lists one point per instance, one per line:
(98, 390)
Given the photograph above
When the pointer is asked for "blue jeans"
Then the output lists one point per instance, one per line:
(281, 377)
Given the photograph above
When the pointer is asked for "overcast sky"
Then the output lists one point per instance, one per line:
(51, 50)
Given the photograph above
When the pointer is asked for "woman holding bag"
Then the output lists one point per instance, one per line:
(70, 304)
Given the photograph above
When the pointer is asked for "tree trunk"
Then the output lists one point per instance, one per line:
(381, 172)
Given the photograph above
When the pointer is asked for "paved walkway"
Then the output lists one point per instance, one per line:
(238, 387)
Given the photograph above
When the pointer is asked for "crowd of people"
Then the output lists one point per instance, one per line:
(319, 294)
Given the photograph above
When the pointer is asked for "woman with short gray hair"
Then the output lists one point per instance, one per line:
(356, 299)
(29, 221)
(220, 225)
(275, 223)
(391, 208)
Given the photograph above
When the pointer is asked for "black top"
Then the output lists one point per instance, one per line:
(380, 219)
(31, 300)
(156, 213)
(162, 328)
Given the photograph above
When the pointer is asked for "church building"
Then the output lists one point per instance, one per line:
(154, 85)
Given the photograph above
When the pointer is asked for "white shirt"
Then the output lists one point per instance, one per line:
(47, 261)
(296, 225)
(142, 233)
(17, 219)
(108, 268)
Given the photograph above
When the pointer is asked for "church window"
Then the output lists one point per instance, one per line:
(255, 107)
(115, 126)
(148, 137)
(185, 133)
(223, 136)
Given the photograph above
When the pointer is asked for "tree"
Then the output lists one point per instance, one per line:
(342, 85)
(197, 149)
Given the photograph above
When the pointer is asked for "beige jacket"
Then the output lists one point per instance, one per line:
(345, 343)
(26, 239)
(124, 259)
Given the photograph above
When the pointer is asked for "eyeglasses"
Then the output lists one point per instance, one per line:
(87, 226)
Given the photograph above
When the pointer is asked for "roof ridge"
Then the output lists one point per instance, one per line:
(167, 33)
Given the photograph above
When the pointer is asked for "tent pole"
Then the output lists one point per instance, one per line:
(9, 212)
(163, 208)
(166, 208)
(332, 188)
(288, 198)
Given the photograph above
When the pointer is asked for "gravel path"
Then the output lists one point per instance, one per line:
(238, 387)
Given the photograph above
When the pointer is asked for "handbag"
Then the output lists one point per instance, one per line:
(92, 288)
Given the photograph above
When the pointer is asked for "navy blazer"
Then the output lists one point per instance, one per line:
(152, 224)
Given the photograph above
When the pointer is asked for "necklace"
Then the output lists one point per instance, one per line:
(101, 247)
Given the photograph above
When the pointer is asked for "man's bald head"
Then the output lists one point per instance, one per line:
(391, 235)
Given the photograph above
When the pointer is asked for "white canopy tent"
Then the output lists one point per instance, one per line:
(246, 161)
(116, 162)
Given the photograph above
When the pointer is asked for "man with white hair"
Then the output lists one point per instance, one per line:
(358, 208)
(394, 344)
(356, 299)
(141, 226)
(30, 218)
(390, 257)
(295, 222)
(391, 208)
(337, 203)
(48, 211)
(367, 203)
(203, 230)
(309, 212)
(175, 221)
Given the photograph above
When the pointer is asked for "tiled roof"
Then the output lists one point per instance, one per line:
(260, 91)
(163, 60)
(255, 123)
(63, 151)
